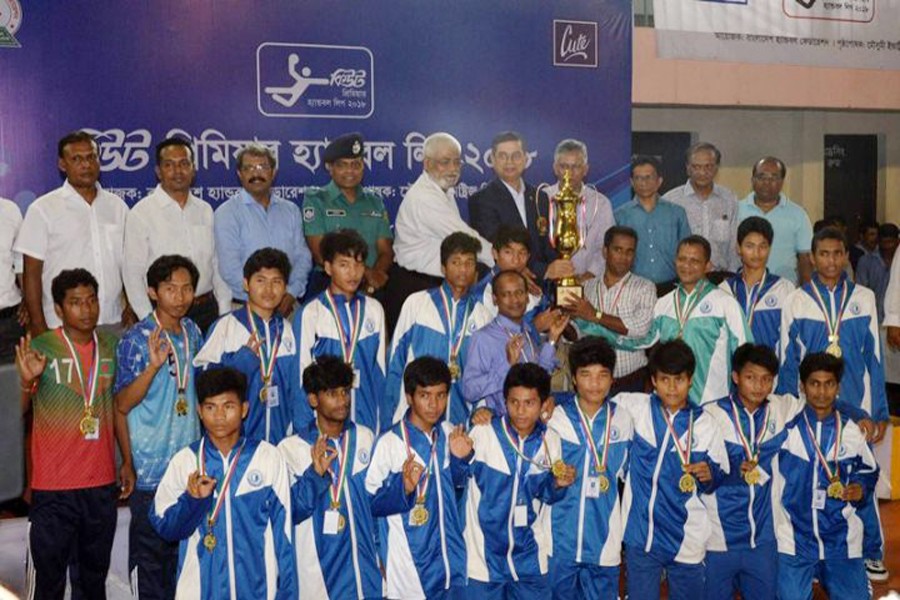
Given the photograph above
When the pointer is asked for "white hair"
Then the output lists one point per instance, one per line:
(439, 140)
(570, 145)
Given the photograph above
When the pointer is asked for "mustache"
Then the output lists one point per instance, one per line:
(255, 179)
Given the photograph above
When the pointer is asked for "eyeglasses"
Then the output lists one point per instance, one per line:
(256, 168)
(514, 157)
(767, 178)
(704, 168)
(644, 178)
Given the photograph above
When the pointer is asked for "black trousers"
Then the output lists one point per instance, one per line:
(152, 561)
(401, 283)
(66, 523)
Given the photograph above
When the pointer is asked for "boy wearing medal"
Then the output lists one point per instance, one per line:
(595, 435)
(676, 455)
(438, 322)
(156, 404)
(760, 294)
(741, 552)
(506, 341)
(332, 514)
(831, 314)
(826, 472)
(343, 322)
(257, 341)
(67, 378)
(515, 471)
(226, 499)
(416, 470)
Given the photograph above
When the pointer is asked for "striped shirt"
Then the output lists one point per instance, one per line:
(632, 299)
(63, 458)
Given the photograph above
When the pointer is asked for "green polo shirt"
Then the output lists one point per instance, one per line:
(326, 209)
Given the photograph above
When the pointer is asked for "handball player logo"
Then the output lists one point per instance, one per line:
(363, 456)
(575, 44)
(254, 478)
(854, 308)
(705, 307)
(613, 434)
(10, 21)
(771, 301)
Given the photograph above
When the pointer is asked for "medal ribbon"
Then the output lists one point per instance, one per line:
(422, 486)
(349, 338)
(833, 326)
(530, 346)
(229, 467)
(615, 302)
(509, 438)
(685, 454)
(455, 338)
(599, 463)
(751, 298)
(89, 386)
(266, 361)
(751, 450)
(692, 300)
(338, 479)
(182, 369)
(838, 435)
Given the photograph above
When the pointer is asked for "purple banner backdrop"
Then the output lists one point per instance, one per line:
(293, 75)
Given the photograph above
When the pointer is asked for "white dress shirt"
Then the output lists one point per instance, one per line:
(519, 198)
(157, 225)
(427, 215)
(65, 232)
(10, 261)
(599, 216)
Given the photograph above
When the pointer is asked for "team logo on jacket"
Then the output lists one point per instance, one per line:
(613, 434)
(472, 327)
(255, 478)
(771, 427)
(771, 301)
(370, 325)
(842, 451)
(363, 456)
(854, 308)
(705, 307)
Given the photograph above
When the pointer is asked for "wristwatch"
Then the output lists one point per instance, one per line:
(598, 315)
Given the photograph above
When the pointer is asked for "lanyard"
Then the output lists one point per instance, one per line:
(751, 447)
(683, 313)
(612, 309)
(267, 353)
(89, 385)
(683, 453)
(339, 478)
(455, 335)
(599, 463)
(349, 338)
(839, 434)
(182, 367)
(833, 325)
(531, 354)
(515, 446)
(229, 468)
(422, 486)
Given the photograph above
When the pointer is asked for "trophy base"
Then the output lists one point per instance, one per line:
(566, 293)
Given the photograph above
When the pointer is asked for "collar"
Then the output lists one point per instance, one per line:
(333, 192)
(428, 180)
(162, 199)
(71, 191)
(841, 282)
(637, 204)
(813, 418)
(446, 287)
(246, 198)
(509, 324)
(782, 200)
(512, 190)
(538, 432)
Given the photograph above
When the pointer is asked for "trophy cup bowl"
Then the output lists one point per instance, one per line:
(567, 238)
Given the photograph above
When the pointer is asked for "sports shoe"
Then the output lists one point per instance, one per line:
(876, 571)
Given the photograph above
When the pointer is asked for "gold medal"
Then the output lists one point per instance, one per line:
(687, 483)
(834, 349)
(181, 406)
(88, 424)
(419, 515)
(836, 489)
(209, 541)
(264, 394)
(335, 505)
(603, 483)
(341, 522)
(454, 370)
(558, 469)
(752, 476)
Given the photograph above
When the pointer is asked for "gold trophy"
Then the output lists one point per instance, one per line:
(566, 237)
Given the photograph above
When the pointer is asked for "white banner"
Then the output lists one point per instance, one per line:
(861, 34)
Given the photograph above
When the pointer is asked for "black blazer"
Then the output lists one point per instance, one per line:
(494, 206)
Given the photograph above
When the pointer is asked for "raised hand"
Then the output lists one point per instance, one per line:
(29, 362)
(566, 478)
(200, 486)
(578, 306)
(559, 323)
(159, 349)
(461, 445)
(322, 455)
(700, 470)
(412, 472)
(514, 348)
(254, 343)
(482, 416)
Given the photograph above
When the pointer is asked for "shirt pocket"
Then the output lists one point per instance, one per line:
(721, 229)
(201, 243)
(112, 236)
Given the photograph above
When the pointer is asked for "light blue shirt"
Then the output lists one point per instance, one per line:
(243, 226)
(659, 232)
(793, 233)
